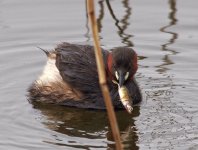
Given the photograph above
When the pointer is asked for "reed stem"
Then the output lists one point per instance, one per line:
(102, 76)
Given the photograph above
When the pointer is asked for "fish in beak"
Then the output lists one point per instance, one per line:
(123, 91)
(125, 99)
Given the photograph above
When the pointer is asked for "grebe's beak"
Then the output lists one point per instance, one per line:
(121, 78)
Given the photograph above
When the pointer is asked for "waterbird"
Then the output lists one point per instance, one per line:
(70, 77)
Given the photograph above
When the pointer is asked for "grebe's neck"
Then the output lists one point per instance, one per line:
(109, 66)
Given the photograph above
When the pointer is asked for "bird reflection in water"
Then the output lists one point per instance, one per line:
(88, 124)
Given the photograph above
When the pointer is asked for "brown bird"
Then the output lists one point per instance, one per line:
(70, 77)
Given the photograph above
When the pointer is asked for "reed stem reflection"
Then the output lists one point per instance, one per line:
(125, 37)
(174, 36)
(121, 24)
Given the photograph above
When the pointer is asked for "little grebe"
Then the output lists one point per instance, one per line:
(70, 77)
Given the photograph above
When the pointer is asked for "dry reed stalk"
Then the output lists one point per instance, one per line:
(102, 77)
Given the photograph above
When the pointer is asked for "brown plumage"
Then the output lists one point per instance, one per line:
(70, 77)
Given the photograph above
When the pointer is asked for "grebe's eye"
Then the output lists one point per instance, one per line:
(116, 75)
(126, 76)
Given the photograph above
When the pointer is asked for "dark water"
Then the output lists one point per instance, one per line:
(164, 33)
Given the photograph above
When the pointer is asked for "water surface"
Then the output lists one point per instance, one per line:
(163, 33)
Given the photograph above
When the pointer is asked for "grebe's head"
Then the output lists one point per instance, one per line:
(122, 64)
